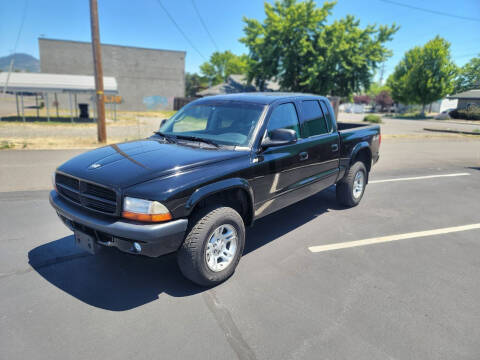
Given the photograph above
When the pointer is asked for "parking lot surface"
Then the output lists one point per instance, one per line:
(403, 286)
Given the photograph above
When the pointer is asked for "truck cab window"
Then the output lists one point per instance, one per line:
(283, 116)
(327, 115)
(313, 120)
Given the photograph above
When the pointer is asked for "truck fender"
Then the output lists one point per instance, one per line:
(357, 148)
(360, 146)
(216, 187)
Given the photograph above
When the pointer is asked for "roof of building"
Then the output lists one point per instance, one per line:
(236, 83)
(103, 44)
(259, 97)
(470, 94)
(40, 82)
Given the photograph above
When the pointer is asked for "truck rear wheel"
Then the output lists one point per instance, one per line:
(213, 246)
(350, 190)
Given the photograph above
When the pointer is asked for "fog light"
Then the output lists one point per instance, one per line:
(137, 247)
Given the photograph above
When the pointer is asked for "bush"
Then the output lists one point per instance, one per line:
(471, 114)
(373, 119)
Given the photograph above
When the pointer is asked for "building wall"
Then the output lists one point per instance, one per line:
(464, 103)
(143, 75)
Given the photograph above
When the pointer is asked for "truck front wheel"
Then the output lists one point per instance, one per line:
(213, 246)
(351, 188)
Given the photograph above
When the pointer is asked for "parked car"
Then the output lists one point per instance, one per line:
(444, 115)
(214, 167)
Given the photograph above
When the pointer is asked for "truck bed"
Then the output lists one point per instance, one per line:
(345, 126)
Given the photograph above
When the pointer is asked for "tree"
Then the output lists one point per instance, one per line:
(384, 100)
(362, 99)
(468, 76)
(223, 64)
(295, 46)
(424, 75)
(194, 83)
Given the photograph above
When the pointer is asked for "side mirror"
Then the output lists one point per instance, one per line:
(279, 137)
(162, 122)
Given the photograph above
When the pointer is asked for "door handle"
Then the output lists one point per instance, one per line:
(303, 156)
(334, 147)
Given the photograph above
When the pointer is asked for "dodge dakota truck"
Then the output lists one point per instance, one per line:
(213, 168)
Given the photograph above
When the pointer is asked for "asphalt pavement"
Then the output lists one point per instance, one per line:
(385, 298)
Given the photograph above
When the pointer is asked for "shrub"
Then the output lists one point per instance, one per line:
(471, 114)
(373, 119)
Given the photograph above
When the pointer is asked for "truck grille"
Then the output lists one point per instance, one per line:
(86, 194)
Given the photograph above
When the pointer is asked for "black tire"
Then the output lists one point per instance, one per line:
(191, 255)
(345, 194)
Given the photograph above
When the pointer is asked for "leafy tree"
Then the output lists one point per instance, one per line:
(296, 46)
(424, 75)
(376, 88)
(223, 64)
(361, 99)
(194, 83)
(468, 76)
(384, 99)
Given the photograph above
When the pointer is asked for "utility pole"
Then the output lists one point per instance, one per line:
(382, 72)
(97, 63)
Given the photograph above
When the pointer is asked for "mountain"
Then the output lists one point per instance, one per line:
(22, 62)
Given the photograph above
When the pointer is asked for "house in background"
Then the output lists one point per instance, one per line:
(236, 84)
(467, 99)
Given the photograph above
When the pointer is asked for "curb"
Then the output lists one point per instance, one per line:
(452, 131)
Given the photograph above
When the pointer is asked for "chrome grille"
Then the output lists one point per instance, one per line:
(86, 194)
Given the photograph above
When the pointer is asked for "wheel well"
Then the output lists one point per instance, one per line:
(365, 156)
(236, 198)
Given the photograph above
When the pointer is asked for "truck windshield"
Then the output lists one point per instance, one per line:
(229, 123)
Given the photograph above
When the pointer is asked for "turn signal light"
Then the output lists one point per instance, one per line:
(147, 217)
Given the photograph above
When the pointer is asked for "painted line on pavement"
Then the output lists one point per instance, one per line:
(417, 178)
(389, 238)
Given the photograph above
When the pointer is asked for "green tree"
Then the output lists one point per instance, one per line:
(295, 46)
(468, 76)
(223, 64)
(424, 75)
(194, 83)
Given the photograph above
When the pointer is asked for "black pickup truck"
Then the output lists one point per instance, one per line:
(213, 168)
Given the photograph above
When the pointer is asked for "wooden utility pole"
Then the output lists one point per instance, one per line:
(97, 63)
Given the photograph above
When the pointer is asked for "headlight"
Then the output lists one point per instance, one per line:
(145, 210)
(53, 180)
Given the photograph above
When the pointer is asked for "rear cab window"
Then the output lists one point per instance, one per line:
(327, 114)
(313, 119)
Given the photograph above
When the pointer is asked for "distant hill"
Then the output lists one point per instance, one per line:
(22, 62)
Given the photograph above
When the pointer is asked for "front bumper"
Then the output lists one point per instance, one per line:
(155, 239)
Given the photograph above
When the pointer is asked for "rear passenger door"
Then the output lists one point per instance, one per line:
(320, 144)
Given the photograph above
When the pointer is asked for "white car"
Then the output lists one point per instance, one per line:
(444, 115)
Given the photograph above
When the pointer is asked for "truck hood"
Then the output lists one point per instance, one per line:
(126, 164)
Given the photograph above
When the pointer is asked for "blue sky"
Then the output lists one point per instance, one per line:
(143, 23)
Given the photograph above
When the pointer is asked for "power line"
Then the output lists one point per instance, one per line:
(21, 26)
(12, 60)
(431, 11)
(204, 25)
(180, 30)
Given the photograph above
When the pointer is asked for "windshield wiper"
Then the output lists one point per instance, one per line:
(169, 138)
(196, 138)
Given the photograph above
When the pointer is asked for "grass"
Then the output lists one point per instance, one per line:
(375, 119)
(411, 116)
(476, 131)
(6, 145)
(42, 143)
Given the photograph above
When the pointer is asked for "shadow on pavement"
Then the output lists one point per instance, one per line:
(115, 281)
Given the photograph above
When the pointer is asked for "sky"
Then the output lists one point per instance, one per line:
(144, 23)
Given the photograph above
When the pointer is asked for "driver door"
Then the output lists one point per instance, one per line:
(277, 167)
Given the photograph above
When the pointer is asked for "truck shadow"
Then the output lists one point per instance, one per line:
(117, 282)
